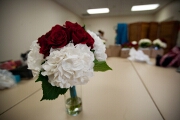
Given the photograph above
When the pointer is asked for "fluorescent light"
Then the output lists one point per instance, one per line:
(98, 10)
(144, 7)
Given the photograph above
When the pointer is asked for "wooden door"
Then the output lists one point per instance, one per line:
(133, 32)
(153, 30)
(169, 33)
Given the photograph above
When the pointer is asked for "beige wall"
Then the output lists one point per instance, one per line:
(107, 24)
(169, 12)
(23, 21)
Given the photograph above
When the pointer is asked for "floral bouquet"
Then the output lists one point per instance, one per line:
(126, 45)
(64, 57)
(130, 44)
(157, 44)
(134, 44)
(145, 43)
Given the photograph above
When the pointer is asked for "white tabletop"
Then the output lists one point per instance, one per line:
(163, 85)
(119, 94)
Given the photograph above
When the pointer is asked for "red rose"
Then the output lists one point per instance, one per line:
(43, 43)
(78, 34)
(59, 37)
(126, 45)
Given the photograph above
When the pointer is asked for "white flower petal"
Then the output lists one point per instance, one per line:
(35, 59)
(99, 47)
(160, 43)
(69, 66)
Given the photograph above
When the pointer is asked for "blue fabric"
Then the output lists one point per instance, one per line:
(17, 78)
(122, 31)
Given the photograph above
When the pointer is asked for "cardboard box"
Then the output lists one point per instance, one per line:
(146, 51)
(154, 53)
(108, 52)
(125, 52)
(115, 50)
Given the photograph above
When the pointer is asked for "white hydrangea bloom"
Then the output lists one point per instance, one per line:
(160, 43)
(163, 45)
(99, 47)
(145, 40)
(157, 41)
(69, 66)
(35, 59)
(134, 42)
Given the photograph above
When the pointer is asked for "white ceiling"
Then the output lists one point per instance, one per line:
(117, 7)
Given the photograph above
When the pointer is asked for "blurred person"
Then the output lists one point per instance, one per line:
(100, 33)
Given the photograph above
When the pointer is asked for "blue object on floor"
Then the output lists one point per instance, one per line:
(17, 78)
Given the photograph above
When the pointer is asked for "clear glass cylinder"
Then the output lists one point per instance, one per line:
(73, 100)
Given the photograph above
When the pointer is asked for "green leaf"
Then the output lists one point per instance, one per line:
(84, 26)
(144, 45)
(92, 51)
(50, 92)
(101, 66)
(40, 77)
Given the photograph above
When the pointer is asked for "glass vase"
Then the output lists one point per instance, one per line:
(73, 100)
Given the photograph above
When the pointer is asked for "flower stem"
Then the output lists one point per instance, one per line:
(73, 92)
